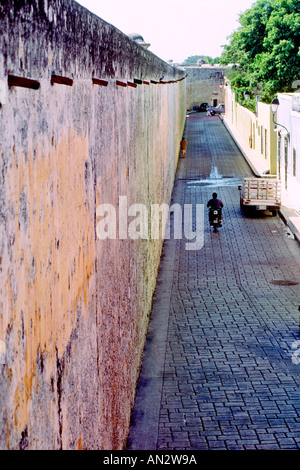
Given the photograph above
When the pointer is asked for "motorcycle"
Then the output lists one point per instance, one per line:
(215, 218)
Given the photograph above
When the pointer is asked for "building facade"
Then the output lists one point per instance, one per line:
(271, 141)
(288, 147)
(254, 130)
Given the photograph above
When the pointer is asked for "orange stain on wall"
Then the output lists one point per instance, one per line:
(53, 257)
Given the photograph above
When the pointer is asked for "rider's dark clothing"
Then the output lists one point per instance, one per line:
(215, 204)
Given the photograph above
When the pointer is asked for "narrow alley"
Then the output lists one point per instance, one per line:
(220, 369)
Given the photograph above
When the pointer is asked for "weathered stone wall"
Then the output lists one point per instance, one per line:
(204, 85)
(74, 309)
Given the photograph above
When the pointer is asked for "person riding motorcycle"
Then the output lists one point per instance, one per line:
(215, 203)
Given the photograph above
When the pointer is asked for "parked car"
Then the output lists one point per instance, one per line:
(203, 106)
(216, 109)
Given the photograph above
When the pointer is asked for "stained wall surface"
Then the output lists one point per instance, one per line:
(74, 309)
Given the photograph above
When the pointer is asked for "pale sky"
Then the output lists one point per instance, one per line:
(176, 29)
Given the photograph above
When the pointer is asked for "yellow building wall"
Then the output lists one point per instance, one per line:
(256, 131)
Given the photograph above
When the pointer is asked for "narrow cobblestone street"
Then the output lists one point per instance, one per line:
(220, 368)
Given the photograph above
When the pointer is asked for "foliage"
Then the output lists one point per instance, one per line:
(266, 48)
(192, 60)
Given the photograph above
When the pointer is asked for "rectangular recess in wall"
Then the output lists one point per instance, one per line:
(138, 81)
(23, 82)
(61, 80)
(98, 81)
(133, 85)
(119, 83)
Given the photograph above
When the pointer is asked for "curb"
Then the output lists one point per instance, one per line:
(286, 219)
(248, 160)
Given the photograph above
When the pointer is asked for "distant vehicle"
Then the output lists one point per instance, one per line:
(203, 106)
(216, 109)
(196, 108)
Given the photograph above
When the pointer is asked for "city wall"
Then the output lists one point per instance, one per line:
(205, 84)
(83, 120)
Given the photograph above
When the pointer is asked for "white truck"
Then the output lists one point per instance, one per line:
(260, 194)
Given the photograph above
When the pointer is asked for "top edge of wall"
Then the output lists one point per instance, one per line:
(63, 37)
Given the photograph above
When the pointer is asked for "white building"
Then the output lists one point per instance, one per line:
(288, 147)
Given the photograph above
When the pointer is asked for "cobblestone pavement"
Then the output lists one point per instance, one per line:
(221, 368)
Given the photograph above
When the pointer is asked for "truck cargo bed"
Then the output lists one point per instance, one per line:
(261, 193)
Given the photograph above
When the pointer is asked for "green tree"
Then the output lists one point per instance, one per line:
(193, 59)
(266, 48)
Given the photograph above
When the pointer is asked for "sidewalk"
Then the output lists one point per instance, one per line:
(289, 215)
